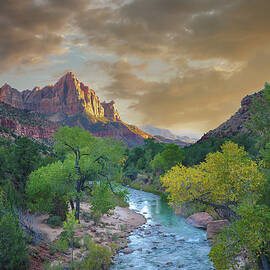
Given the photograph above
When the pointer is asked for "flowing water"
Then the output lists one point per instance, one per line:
(172, 244)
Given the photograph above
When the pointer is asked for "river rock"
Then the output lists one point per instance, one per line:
(127, 250)
(215, 227)
(199, 220)
(147, 232)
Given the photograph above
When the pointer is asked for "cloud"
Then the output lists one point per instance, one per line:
(214, 48)
(199, 29)
(177, 63)
(32, 30)
(200, 100)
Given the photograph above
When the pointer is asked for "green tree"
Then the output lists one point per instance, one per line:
(69, 229)
(13, 249)
(172, 155)
(104, 198)
(87, 160)
(157, 164)
(49, 188)
(259, 122)
(249, 234)
(18, 160)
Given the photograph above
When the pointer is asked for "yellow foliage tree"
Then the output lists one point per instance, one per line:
(221, 181)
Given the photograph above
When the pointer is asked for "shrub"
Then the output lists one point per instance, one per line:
(13, 249)
(99, 257)
(54, 221)
(115, 237)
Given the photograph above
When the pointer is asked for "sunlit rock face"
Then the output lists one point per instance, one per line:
(70, 102)
(68, 96)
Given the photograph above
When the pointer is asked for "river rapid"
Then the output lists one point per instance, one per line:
(165, 241)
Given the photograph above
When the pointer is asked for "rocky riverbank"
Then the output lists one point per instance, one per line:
(112, 231)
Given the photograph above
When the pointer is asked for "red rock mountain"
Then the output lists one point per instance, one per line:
(70, 102)
(236, 124)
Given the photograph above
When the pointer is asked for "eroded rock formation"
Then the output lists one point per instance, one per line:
(70, 102)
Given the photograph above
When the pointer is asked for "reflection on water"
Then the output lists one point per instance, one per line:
(172, 244)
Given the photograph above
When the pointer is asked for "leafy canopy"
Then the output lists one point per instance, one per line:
(225, 177)
(48, 184)
(87, 160)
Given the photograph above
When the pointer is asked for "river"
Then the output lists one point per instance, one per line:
(172, 244)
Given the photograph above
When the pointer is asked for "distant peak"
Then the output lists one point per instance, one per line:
(68, 78)
(68, 75)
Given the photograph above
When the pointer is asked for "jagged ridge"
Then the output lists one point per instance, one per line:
(236, 124)
(70, 102)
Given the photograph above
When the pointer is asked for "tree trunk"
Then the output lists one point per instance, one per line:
(72, 252)
(78, 189)
(77, 210)
(264, 262)
(71, 204)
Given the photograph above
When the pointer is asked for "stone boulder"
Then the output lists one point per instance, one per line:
(199, 220)
(215, 227)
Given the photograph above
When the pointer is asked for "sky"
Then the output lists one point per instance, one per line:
(184, 65)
